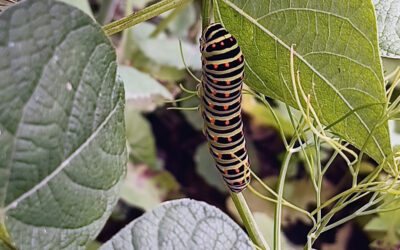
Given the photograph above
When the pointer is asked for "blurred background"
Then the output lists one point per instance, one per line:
(168, 157)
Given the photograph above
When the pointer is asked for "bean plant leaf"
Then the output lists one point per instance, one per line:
(62, 131)
(181, 224)
(388, 21)
(336, 54)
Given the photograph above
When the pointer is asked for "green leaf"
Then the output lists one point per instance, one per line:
(263, 116)
(181, 224)
(140, 138)
(182, 23)
(387, 223)
(388, 21)
(145, 188)
(165, 51)
(81, 4)
(93, 245)
(142, 90)
(205, 167)
(63, 145)
(160, 56)
(266, 225)
(336, 54)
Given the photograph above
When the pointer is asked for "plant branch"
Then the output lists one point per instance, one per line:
(141, 16)
(206, 12)
(248, 220)
(278, 206)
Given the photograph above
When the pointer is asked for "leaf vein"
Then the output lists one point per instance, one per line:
(65, 163)
(255, 22)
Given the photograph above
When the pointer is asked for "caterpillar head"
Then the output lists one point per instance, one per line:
(210, 31)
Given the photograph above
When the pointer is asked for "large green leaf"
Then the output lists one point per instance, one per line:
(63, 146)
(336, 54)
(181, 224)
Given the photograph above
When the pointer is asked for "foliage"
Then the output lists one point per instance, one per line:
(63, 140)
(181, 224)
(146, 188)
(385, 229)
(83, 5)
(140, 139)
(205, 168)
(331, 46)
(265, 117)
(141, 90)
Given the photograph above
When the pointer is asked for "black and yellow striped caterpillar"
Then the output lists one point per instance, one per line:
(221, 95)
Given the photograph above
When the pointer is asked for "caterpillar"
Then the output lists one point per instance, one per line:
(221, 95)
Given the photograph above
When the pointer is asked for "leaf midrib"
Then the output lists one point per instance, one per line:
(65, 163)
(30, 97)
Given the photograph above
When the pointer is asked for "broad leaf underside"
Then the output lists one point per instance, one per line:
(181, 224)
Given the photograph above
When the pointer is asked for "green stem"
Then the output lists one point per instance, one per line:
(206, 12)
(4, 237)
(141, 16)
(248, 220)
(278, 206)
(320, 177)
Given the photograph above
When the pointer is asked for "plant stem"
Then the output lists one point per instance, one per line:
(248, 220)
(4, 237)
(206, 12)
(141, 16)
(320, 177)
(278, 206)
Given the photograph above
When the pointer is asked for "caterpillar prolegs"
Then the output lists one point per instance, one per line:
(221, 95)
